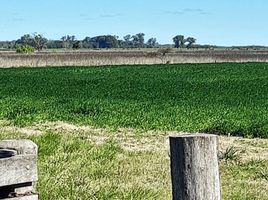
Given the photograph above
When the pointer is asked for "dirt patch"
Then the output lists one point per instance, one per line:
(26, 131)
(139, 140)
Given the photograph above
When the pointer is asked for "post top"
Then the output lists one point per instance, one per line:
(191, 135)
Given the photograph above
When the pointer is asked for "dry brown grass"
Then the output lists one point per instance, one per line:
(126, 57)
(138, 140)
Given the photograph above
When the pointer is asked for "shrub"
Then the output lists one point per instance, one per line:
(24, 49)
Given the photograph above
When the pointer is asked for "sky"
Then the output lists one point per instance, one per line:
(218, 22)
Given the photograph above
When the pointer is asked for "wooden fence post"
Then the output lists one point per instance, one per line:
(194, 167)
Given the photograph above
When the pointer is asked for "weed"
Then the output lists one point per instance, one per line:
(229, 154)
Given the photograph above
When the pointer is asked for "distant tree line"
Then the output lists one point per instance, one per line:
(39, 42)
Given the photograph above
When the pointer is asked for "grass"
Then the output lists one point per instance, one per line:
(133, 108)
(128, 56)
(249, 182)
(85, 163)
(215, 98)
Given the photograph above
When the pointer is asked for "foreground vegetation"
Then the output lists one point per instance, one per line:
(213, 98)
(125, 155)
(86, 163)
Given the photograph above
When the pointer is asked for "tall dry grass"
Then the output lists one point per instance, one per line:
(97, 58)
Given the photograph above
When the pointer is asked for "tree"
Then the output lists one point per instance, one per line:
(121, 44)
(68, 41)
(104, 41)
(179, 41)
(38, 41)
(141, 39)
(151, 43)
(127, 41)
(54, 44)
(127, 38)
(7, 44)
(190, 41)
(77, 44)
(138, 40)
(87, 43)
(25, 40)
(35, 40)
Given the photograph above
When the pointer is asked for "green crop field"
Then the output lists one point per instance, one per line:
(214, 98)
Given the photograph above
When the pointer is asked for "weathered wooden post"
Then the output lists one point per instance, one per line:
(18, 170)
(194, 167)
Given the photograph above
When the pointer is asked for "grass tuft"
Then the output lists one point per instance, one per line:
(229, 154)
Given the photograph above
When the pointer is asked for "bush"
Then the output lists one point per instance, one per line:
(24, 49)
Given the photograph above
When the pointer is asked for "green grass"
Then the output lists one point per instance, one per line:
(73, 166)
(215, 98)
(109, 163)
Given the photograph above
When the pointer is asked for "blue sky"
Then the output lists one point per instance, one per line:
(221, 22)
